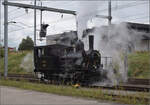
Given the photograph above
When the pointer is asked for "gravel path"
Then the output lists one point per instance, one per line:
(10, 95)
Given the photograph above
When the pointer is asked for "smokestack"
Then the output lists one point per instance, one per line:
(91, 42)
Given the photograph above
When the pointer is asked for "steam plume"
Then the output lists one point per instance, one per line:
(27, 62)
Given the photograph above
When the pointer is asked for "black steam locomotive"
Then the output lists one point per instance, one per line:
(69, 63)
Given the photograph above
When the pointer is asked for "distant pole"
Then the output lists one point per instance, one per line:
(0, 33)
(76, 24)
(41, 14)
(41, 21)
(109, 12)
(5, 39)
(126, 64)
(149, 30)
(0, 23)
(34, 24)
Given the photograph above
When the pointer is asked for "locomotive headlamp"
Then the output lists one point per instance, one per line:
(44, 65)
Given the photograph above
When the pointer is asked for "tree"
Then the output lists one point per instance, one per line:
(26, 44)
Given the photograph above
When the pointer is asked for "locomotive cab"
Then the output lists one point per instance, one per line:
(47, 58)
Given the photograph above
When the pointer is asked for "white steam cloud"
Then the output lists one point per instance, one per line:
(86, 12)
(27, 63)
(114, 41)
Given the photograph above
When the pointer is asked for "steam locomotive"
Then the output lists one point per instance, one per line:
(69, 63)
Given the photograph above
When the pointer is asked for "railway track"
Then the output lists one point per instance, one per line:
(137, 81)
(133, 84)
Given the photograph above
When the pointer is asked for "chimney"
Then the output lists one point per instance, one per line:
(91, 42)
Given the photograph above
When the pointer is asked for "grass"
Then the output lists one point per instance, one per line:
(14, 61)
(97, 94)
(139, 65)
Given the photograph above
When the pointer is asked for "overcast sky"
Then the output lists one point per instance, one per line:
(122, 11)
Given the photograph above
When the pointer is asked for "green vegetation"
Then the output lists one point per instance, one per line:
(14, 62)
(26, 44)
(1, 52)
(98, 94)
(139, 65)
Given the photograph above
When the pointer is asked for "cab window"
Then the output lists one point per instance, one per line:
(41, 52)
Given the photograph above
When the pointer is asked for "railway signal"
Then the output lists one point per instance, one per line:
(43, 30)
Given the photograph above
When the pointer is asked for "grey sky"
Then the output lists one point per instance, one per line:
(133, 11)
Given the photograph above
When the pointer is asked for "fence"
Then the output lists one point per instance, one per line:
(106, 61)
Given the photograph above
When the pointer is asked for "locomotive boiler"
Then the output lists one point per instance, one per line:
(69, 63)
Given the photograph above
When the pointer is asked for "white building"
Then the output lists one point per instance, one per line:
(142, 45)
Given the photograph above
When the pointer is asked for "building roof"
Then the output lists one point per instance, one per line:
(139, 26)
(53, 45)
(145, 28)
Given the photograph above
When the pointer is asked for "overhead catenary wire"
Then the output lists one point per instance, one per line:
(23, 28)
(137, 14)
(17, 25)
(129, 5)
(123, 6)
(23, 24)
(71, 18)
(119, 7)
(139, 18)
(14, 10)
(114, 8)
(61, 20)
(20, 15)
(18, 30)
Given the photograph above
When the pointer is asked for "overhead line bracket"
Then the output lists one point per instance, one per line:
(43, 8)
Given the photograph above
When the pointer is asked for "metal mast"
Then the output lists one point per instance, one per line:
(0, 32)
(41, 14)
(5, 38)
(34, 23)
(109, 17)
(109, 12)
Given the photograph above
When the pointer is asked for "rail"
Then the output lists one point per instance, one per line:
(133, 84)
